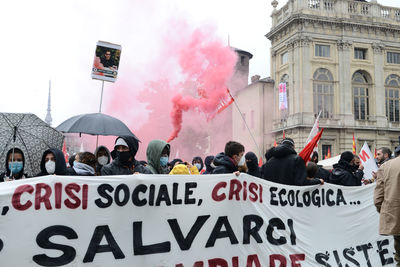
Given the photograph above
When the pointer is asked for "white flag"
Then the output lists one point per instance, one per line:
(368, 161)
(314, 130)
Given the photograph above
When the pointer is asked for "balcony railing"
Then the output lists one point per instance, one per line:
(339, 9)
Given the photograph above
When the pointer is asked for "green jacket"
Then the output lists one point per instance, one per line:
(153, 154)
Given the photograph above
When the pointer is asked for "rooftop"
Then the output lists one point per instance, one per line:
(344, 11)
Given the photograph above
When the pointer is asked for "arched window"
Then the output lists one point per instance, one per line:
(323, 93)
(285, 79)
(392, 93)
(361, 84)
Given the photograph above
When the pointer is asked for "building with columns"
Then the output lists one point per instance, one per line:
(340, 58)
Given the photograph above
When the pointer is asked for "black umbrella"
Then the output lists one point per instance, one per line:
(30, 134)
(95, 124)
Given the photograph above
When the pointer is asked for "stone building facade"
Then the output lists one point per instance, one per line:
(340, 58)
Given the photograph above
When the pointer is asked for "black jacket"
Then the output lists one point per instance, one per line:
(61, 166)
(116, 168)
(207, 161)
(344, 174)
(323, 174)
(252, 164)
(224, 164)
(286, 167)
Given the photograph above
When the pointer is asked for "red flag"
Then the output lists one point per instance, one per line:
(225, 102)
(284, 135)
(375, 154)
(329, 153)
(64, 150)
(260, 163)
(275, 144)
(309, 148)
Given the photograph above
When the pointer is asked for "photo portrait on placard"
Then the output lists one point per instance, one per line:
(106, 61)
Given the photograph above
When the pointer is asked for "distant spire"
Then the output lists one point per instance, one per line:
(48, 119)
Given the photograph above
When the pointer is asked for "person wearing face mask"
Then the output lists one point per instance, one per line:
(229, 160)
(15, 164)
(344, 173)
(103, 157)
(198, 162)
(53, 162)
(84, 165)
(252, 164)
(157, 157)
(208, 161)
(124, 162)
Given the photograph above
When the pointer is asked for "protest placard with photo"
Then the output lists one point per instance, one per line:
(106, 61)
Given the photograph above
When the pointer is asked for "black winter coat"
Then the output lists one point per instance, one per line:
(252, 164)
(224, 164)
(207, 161)
(116, 168)
(344, 174)
(286, 167)
(323, 174)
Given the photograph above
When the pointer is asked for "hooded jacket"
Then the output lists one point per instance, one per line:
(252, 164)
(207, 161)
(21, 174)
(286, 167)
(342, 174)
(153, 153)
(98, 166)
(224, 164)
(201, 162)
(116, 167)
(61, 166)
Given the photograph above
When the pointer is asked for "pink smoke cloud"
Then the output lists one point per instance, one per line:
(210, 64)
(176, 92)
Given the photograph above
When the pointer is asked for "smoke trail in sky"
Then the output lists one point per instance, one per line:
(188, 73)
(207, 63)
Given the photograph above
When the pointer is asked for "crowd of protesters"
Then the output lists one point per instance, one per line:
(283, 165)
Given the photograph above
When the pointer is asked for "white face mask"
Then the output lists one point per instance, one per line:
(50, 167)
(242, 161)
(102, 160)
(198, 166)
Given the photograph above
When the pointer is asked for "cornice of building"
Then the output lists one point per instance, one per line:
(334, 127)
(301, 18)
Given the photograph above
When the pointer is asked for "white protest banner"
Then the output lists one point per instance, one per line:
(368, 161)
(187, 221)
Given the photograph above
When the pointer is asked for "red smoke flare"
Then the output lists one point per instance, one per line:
(210, 64)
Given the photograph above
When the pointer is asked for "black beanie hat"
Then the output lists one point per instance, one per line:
(346, 156)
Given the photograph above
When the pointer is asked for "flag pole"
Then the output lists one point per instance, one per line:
(247, 126)
(101, 101)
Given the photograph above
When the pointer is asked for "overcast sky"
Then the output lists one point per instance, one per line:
(43, 40)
